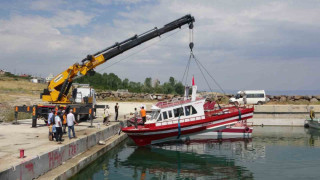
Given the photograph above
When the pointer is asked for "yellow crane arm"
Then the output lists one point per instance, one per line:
(59, 86)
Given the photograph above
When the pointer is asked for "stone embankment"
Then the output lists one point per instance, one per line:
(125, 95)
(293, 99)
(134, 96)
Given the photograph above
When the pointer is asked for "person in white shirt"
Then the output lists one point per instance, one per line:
(58, 124)
(70, 122)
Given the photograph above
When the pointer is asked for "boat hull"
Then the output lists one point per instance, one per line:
(233, 132)
(313, 123)
(144, 136)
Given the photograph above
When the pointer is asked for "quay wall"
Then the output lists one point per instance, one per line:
(282, 115)
(36, 166)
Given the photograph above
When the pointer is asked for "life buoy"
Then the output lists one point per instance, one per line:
(247, 130)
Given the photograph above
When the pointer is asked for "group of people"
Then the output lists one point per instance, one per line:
(143, 115)
(58, 122)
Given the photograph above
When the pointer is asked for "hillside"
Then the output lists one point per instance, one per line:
(17, 91)
(14, 91)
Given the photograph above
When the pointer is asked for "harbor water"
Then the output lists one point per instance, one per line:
(271, 153)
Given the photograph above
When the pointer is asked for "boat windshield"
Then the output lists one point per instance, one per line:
(155, 114)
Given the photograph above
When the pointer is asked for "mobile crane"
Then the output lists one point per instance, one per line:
(57, 92)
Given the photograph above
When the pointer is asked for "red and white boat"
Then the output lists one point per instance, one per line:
(183, 117)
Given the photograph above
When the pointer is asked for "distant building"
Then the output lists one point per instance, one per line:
(24, 75)
(156, 83)
(38, 80)
(49, 78)
(2, 71)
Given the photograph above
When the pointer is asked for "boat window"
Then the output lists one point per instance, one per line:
(170, 114)
(159, 118)
(190, 110)
(187, 108)
(164, 114)
(178, 112)
(154, 114)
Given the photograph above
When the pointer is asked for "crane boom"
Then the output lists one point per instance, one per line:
(59, 86)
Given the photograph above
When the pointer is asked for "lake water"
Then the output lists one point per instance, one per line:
(271, 153)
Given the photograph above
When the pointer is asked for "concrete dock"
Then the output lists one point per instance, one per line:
(282, 115)
(42, 155)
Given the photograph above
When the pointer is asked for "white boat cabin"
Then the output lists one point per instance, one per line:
(169, 112)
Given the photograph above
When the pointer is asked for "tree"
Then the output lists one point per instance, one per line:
(125, 83)
(179, 88)
(113, 82)
(148, 82)
(168, 89)
(147, 87)
(172, 81)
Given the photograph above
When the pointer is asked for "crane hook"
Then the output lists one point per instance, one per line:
(191, 25)
(191, 45)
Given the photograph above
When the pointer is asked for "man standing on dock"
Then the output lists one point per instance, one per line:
(116, 109)
(58, 127)
(64, 122)
(71, 121)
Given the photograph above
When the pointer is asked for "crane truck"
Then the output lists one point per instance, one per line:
(57, 93)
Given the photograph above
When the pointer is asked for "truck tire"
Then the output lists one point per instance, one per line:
(259, 103)
(83, 117)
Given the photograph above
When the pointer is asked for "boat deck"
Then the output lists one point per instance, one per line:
(174, 102)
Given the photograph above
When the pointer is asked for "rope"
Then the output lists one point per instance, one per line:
(210, 75)
(186, 70)
(202, 73)
(179, 128)
(239, 113)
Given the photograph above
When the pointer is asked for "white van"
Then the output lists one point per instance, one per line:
(252, 97)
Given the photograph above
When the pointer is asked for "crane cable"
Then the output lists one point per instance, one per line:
(200, 66)
(134, 53)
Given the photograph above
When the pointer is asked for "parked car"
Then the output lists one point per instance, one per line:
(251, 96)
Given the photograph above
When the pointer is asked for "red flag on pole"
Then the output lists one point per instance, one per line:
(193, 81)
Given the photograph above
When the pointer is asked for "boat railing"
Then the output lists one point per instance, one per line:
(175, 121)
(174, 102)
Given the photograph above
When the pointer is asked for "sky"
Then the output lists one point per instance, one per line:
(261, 44)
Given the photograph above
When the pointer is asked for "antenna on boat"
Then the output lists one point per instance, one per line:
(194, 90)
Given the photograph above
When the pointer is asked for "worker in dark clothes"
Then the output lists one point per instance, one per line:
(116, 109)
(58, 124)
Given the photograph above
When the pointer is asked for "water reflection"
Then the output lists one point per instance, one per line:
(287, 136)
(189, 161)
(314, 136)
